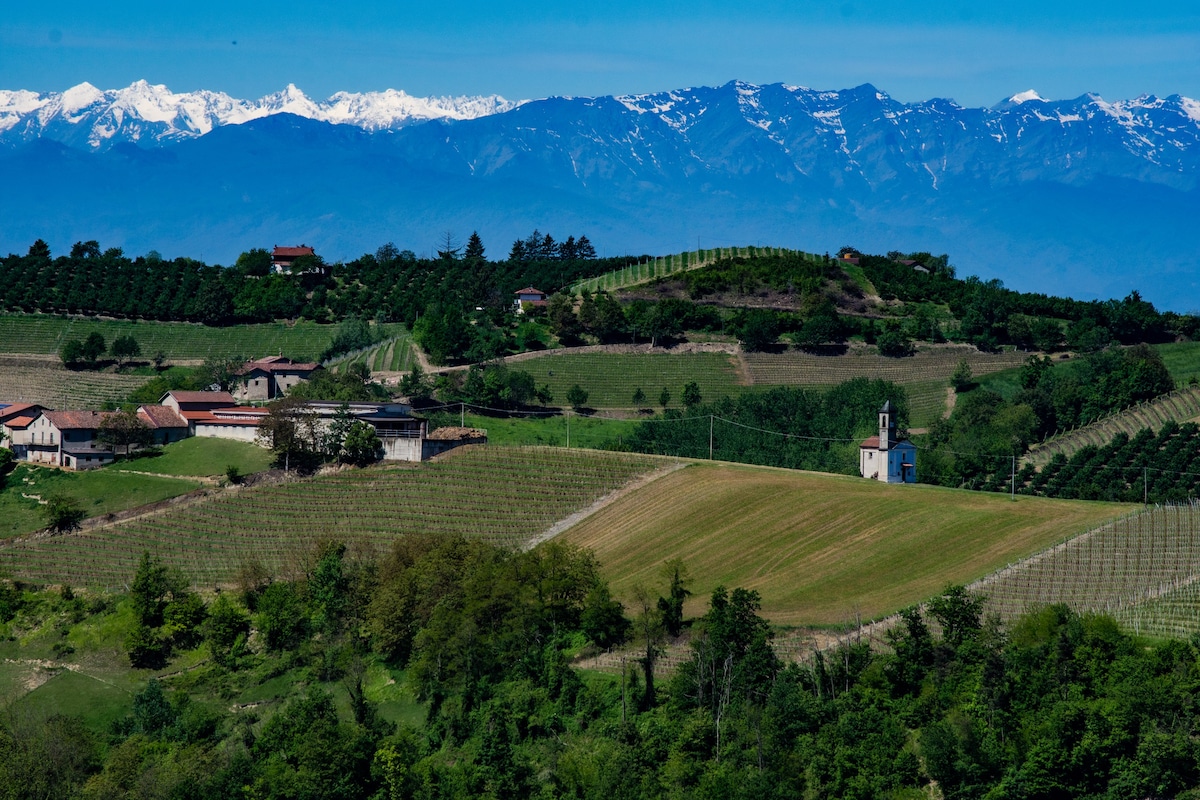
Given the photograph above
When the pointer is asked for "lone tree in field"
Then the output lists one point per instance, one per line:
(94, 347)
(577, 396)
(62, 512)
(291, 431)
(664, 398)
(961, 377)
(125, 348)
(639, 397)
(691, 394)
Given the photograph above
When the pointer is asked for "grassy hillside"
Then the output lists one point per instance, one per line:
(820, 549)
(44, 334)
(504, 495)
(611, 378)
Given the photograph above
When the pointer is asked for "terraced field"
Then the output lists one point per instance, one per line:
(43, 334)
(820, 549)
(612, 378)
(393, 355)
(1143, 569)
(44, 380)
(644, 271)
(504, 495)
(1180, 405)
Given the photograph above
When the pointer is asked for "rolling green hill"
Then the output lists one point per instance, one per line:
(820, 549)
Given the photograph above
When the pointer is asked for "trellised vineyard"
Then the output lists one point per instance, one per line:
(1141, 569)
(505, 496)
(1156, 468)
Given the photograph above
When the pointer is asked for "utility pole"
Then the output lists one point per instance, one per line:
(710, 438)
(1145, 486)
(568, 429)
(462, 415)
(1014, 477)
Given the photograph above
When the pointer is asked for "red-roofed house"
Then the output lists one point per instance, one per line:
(282, 258)
(271, 377)
(885, 457)
(165, 423)
(530, 296)
(15, 420)
(196, 401)
(230, 422)
(68, 439)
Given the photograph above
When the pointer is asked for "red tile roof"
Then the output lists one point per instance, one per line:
(530, 290)
(161, 417)
(18, 409)
(19, 422)
(292, 252)
(872, 443)
(75, 420)
(275, 364)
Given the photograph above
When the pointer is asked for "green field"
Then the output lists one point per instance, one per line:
(503, 495)
(546, 430)
(820, 549)
(45, 335)
(99, 492)
(611, 378)
(203, 456)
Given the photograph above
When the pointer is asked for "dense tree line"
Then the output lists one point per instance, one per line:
(986, 431)
(1057, 705)
(790, 427)
(390, 284)
(991, 315)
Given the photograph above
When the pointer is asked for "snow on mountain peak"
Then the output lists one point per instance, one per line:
(153, 113)
(1026, 96)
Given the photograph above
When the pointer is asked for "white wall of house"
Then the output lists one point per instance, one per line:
(242, 433)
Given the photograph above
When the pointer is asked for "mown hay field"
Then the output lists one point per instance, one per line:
(820, 549)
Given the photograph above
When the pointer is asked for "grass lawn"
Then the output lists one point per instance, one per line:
(820, 549)
(611, 378)
(1182, 360)
(99, 491)
(551, 431)
(203, 456)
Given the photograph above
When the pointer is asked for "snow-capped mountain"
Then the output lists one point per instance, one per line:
(1082, 197)
(151, 114)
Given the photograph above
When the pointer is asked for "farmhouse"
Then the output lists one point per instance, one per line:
(67, 439)
(164, 422)
(885, 457)
(15, 420)
(530, 296)
(282, 258)
(271, 377)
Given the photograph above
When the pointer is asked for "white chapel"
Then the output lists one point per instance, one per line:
(886, 458)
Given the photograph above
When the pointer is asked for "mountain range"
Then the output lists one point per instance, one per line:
(1082, 197)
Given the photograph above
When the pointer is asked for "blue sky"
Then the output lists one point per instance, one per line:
(914, 49)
